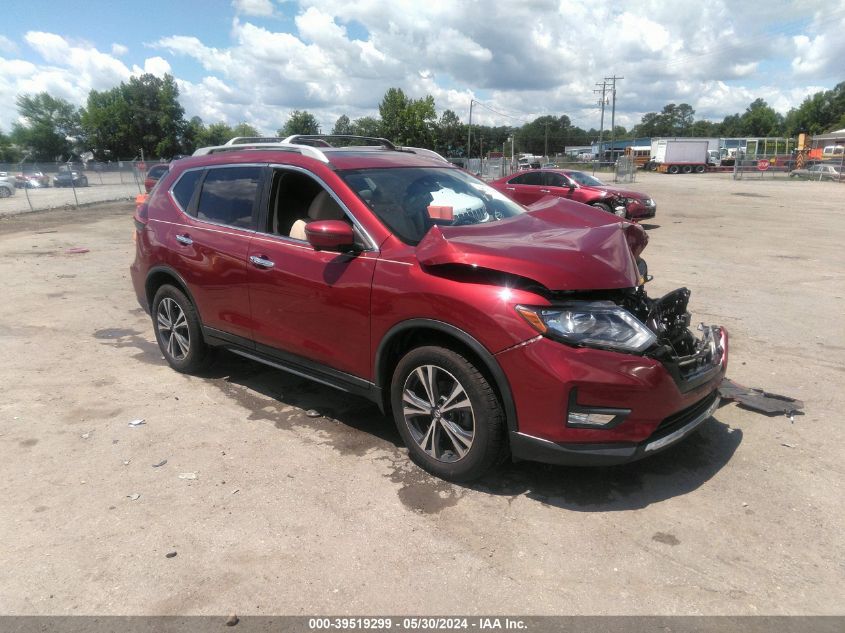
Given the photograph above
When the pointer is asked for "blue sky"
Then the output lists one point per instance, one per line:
(257, 60)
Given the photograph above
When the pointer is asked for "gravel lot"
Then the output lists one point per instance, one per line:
(290, 514)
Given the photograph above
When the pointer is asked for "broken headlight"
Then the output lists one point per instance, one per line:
(600, 324)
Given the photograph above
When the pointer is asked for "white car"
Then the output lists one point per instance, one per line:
(7, 185)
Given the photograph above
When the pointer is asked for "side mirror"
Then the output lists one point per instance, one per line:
(571, 186)
(330, 235)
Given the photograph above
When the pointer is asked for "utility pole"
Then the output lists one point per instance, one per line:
(613, 111)
(469, 136)
(546, 147)
(602, 102)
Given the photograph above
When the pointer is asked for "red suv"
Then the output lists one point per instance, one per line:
(527, 187)
(486, 328)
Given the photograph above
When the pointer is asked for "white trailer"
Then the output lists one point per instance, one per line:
(681, 156)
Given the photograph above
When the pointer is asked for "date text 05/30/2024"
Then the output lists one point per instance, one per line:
(417, 624)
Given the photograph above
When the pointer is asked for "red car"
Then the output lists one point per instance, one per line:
(155, 172)
(487, 329)
(527, 187)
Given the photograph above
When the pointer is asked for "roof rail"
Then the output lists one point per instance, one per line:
(305, 150)
(305, 144)
(248, 140)
(319, 140)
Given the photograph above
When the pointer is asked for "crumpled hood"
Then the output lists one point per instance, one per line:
(627, 193)
(560, 244)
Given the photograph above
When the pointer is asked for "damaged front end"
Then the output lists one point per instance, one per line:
(691, 360)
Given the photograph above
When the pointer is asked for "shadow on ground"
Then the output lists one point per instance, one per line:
(354, 426)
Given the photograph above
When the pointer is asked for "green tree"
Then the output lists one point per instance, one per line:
(731, 126)
(8, 152)
(759, 119)
(191, 134)
(343, 125)
(407, 121)
(215, 134)
(244, 129)
(299, 122)
(51, 128)
(821, 112)
(367, 126)
(673, 120)
(450, 135)
(141, 115)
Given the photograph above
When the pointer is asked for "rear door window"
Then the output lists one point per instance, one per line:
(228, 196)
(529, 178)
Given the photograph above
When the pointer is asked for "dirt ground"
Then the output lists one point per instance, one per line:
(290, 514)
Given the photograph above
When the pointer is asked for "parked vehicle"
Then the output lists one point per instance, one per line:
(7, 185)
(530, 186)
(32, 178)
(155, 172)
(70, 176)
(819, 171)
(680, 156)
(640, 154)
(497, 330)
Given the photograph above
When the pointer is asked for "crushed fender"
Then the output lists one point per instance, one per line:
(759, 400)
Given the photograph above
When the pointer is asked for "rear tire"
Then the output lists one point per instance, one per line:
(673, 169)
(687, 169)
(178, 331)
(448, 415)
(700, 169)
(5, 192)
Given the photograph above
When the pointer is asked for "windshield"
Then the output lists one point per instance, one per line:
(585, 179)
(410, 200)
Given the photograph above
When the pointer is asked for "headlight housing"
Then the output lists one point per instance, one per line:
(601, 324)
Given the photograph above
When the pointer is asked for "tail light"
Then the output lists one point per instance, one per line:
(141, 211)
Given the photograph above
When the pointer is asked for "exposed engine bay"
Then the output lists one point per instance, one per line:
(687, 357)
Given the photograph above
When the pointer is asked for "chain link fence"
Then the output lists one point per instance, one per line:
(31, 186)
(776, 167)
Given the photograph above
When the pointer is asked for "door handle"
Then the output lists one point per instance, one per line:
(511, 188)
(261, 262)
(184, 239)
(544, 191)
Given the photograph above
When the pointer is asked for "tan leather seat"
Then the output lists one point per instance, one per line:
(322, 207)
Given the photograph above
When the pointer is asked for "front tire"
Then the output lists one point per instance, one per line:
(178, 331)
(603, 207)
(447, 413)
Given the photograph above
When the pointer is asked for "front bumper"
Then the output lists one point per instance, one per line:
(660, 407)
(640, 211)
(673, 430)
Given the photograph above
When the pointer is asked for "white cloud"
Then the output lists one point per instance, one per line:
(524, 59)
(258, 8)
(157, 66)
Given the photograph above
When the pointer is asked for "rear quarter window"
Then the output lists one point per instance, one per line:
(183, 190)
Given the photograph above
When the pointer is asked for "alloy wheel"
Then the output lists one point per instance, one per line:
(438, 413)
(173, 328)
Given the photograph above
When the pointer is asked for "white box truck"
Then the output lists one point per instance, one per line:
(681, 156)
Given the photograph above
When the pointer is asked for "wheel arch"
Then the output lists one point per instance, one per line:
(161, 275)
(414, 333)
